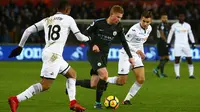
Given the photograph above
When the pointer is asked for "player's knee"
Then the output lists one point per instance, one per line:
(45, 87)
(121, 82)
(140, 80)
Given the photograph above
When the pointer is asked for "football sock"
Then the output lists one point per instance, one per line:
(177, 69)
(84, 83)
(71, 89)
(191, 69)
(163, 65)
(160, 64)
(100, 88)
(133, 90)
(28, 93)
(112, 80)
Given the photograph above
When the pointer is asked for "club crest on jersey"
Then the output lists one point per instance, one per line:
(114, 33)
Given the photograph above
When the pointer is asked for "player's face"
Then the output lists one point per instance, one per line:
(181, 17)
(164, 18)
(116, 17)
(145, 22)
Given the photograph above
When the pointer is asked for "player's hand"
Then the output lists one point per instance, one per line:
(15, 52)
(95, 48)
(142, 55)
(132, 61)
(193, 46)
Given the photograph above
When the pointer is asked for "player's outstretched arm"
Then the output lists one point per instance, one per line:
(32, 29)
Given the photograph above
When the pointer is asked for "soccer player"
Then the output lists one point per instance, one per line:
(163, 52)
(181, 45)
(57, 28)
(102, 32)
(136, 37)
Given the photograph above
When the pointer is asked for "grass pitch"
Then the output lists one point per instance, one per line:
(156, 95)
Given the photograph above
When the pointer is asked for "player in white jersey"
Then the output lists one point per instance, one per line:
(136, 37)
(57, 29)
(181, 44)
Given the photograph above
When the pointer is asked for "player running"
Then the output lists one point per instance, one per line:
(57, 29)
(103, 32)
(181, 45)
(136, 37)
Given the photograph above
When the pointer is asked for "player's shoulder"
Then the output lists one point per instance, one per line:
(149, 27)
(187, 24)
(100, 20)
(175, 24)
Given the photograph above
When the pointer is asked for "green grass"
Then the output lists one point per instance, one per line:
(156, 95)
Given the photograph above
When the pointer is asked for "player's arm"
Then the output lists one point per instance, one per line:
(32, 29)
(191, 36)
(162, 34)
(77, 32)
(125, 44)
(170, 36)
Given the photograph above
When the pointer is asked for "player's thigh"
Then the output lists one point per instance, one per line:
(123, 63)
(177, 50)
(187, 51)
(51, 65)
(97, 60)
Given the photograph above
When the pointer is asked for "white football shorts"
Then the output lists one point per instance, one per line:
(182, 50)
(53, 64)
(124, 65)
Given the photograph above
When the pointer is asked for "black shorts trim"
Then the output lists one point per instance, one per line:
(47, 78)
(64, 69)
(36, 27)
(138, 67)
(122, 74)
(76, 32)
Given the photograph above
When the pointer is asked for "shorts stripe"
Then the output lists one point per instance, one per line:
(65, 69)
(47, 78)
(138, 67)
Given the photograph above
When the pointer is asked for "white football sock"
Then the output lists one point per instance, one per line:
(71, 88)
(28, 93)
(177, 69)
(112, 80)
(133, 90)
(191, 69)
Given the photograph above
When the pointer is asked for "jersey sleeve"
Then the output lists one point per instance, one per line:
(130, 34)
(73, 26)
(170, 34)
(32, 29)
(191, 36)
(124, 43)
(91, 29)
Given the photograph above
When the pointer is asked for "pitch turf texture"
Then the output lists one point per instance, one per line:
(156, 95)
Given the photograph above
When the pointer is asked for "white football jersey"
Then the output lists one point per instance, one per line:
(181, 33)
(137, 36)
(57, 29)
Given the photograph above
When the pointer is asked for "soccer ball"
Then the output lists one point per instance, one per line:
(111, 102)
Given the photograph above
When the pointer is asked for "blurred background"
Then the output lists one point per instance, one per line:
(17, 15)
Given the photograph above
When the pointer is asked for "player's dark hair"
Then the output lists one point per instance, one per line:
(163, 14)
(147, 14)
(63, 5)
(117, 8)
(181, 12)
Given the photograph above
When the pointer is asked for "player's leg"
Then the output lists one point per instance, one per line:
(67, 71)
(89, 83)
(165, 60)
(123, 70)
(188, 55)
(177, 53)
(71, 89)
(48, 73)
(140, 77)
(101, 86)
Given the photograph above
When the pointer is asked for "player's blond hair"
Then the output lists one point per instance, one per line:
(116, 9)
